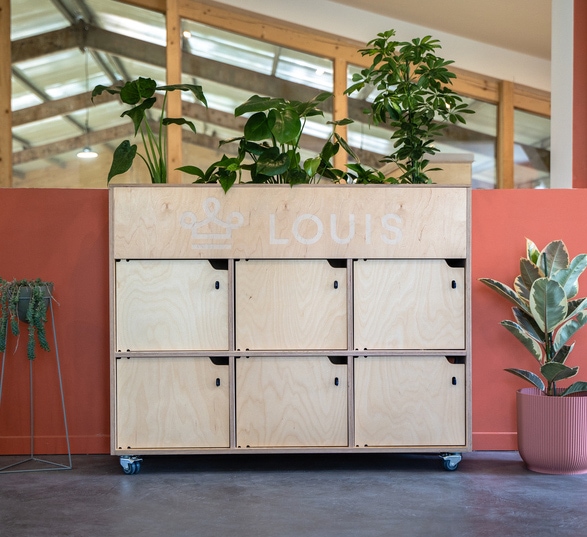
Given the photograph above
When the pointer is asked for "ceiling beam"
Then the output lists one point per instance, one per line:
(58, 107)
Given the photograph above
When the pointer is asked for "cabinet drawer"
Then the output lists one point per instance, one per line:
(291, 402)
(409, 401)
(171, 305)
(172, 402)
(290, 304)
(408, 304)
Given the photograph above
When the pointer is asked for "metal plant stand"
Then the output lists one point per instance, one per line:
(38, 463)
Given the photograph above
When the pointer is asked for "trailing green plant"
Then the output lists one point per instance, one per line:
(24, 300)
(547, 313)
(413, 98)
(269, 148)
(140, 95)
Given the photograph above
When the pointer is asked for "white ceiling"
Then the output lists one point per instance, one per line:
(520, 25)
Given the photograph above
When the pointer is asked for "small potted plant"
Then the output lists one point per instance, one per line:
(140, 95)
(413, 98)
(26, 301)
(552, 420)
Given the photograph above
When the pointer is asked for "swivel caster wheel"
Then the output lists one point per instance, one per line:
(450, 461)
(130, 464)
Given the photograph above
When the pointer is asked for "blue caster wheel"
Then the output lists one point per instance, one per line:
(450, 461)
(130, 464)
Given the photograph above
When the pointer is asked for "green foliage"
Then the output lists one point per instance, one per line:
(413, 99)
(24, 300)
(547, 312)
(269, 148)
(140, 95)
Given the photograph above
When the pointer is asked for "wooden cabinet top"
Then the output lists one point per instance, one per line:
(280, 221)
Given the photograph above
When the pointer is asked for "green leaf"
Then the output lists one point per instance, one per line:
(529, 272)
(137, 114)
(553, 258)
(99, 89)
(179, 121)
(506, 292)
(257, 127)
(568, 330)
(576, 387)
(569, 277)
(286, 125)
(548, 304)
(555, 371)
(344, 121)
(227, 181)
(191, 170)
(562, 354)
(525, 338)
(527, 322)
(532, 378)
(311, 166)
(272, 162)
(122, 159)
(136, 90)
(532, 251)
(521, 289)
(258, 104)
(197, 91)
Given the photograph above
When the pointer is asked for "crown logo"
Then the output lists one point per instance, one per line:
(211, 232)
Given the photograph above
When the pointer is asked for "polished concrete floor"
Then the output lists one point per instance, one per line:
(491, 494)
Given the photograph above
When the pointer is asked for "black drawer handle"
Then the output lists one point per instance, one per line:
(336, 284)
(454, 284)
(217, 382)
(454, 381)
(217, 285)
(336, 381)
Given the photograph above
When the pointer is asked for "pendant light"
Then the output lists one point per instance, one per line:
(87, 152)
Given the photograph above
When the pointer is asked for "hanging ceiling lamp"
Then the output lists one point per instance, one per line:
(86, 152)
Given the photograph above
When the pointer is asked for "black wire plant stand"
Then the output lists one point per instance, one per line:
(34, 463)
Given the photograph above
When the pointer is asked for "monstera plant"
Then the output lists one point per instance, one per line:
(547, 313)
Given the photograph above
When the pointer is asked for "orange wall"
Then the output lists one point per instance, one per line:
(59, 235)
(62, 235)
(502, 219)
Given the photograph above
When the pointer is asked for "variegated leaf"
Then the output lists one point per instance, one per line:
(568, 329)
(533, 378)
(554, 371)
(576, 387)
(569, 277)
(525, 338)
(548, 304)
(553, 258)
(506, 292)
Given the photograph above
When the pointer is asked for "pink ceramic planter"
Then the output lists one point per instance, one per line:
(552, 432)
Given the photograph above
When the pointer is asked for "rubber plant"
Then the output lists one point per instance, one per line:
(269, 148)
(413, 96)
(140, 95)
(547, 313)
(24, 300)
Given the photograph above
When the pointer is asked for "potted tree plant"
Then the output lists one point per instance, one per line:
(552, 420)
(413, 98)
(26, 301)
(140, 95)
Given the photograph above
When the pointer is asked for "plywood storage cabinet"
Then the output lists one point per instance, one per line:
(277, 319)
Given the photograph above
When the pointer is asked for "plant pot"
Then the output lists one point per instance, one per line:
(552, 432)
(24, 298)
